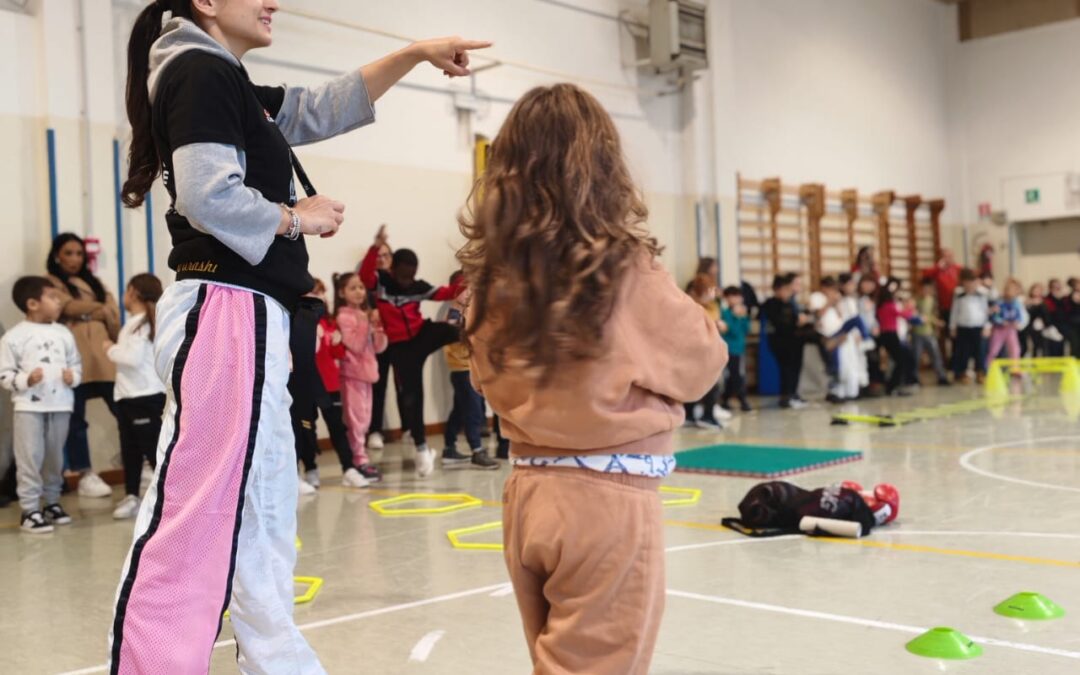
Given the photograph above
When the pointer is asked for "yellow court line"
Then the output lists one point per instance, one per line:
(913, 548)
(698, 526)
(385, 492)
(916, 548)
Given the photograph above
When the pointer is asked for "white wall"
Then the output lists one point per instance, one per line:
(1014, 100)
(851, 93)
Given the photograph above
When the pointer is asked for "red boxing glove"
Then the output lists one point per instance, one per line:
(885, 503)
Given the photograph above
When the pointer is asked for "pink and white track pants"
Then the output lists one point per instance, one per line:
(217, 527)
(356, 401)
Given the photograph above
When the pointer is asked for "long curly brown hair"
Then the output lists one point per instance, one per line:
(551, 226)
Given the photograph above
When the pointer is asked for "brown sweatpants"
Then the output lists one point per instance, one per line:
(585, 552)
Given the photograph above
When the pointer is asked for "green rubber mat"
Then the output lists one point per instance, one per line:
(759, 461)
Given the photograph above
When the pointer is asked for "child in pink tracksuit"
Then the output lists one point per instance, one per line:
(1008, 316)
(363, 337)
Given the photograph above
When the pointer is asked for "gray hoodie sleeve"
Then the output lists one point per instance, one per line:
(339, 106)
(211, 194)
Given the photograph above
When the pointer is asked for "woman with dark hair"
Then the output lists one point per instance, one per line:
(865, 265)
(93, 316)
(218, 524)
(375, 440)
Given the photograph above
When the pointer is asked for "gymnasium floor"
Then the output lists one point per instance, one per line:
(990, 504)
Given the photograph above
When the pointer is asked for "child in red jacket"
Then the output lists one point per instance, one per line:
(329, 351)
(397, 294)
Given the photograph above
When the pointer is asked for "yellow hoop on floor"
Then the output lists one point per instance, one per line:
(455, 541)
(456, 502)
(693, 496)
(314, 584)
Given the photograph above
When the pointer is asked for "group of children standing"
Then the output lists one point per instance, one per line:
(375, 327)
(732, 318)
(41, 365)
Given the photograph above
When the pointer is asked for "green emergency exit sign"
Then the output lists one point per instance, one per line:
(1031, 196)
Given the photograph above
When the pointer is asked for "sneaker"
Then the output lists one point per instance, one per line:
(352, 478)
(746, 407)
(306, 489)
(370, 472)
(451, 457)
(311, 477)
(425, 461)
(711, 425)
(834, 399)
(35, 523)
(980, 378)
(900, 392)
(91, 485)
(375, 441)
(55, 514)
(721, 413)
(793, 404)
(127, 508)
(481, 460)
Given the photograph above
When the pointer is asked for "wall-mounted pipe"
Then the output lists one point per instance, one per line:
(719, 246)
(54, 215)
(120, 281)
(699, 229)
(148, 205)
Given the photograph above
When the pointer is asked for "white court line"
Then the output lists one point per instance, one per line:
(869, 623)
(422, 650)
(505, 589)
(965, 462)
(732, 542)
(340, 619)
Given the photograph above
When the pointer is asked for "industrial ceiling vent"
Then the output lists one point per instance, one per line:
(677, 33)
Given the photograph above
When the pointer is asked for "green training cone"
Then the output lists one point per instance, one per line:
(944, 643)
(1030, 607)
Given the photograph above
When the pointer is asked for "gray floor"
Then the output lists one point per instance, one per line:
(968, 536)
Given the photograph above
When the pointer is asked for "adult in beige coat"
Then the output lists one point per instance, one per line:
(93, 316)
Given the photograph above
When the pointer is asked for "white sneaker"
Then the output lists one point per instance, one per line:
(306, 489)
(798, 404)
(127, 508)
(147, 476)
(425, 461)
(375, 441)
(91, 485)
(721, 413)
(711, 426)
(312, 478)
(354, 479)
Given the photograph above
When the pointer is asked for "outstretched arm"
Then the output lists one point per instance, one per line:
(345, 103)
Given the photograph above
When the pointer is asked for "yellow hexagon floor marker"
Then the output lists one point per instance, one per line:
(454, 502)
(691, 496)
(455, 541)
(314, 584)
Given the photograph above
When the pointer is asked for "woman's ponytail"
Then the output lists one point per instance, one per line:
(144, 165)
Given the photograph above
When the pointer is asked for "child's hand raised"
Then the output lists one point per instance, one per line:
(381, 236)
(36, 376)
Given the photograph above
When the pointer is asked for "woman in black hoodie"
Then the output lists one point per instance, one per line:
(219, 521)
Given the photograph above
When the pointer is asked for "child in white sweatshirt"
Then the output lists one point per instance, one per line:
(139, 392)
(40, 365)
